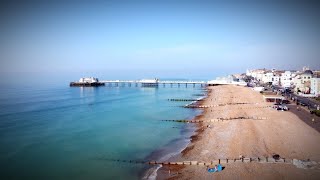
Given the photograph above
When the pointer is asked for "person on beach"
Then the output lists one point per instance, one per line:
(241, 156)
(215, 168)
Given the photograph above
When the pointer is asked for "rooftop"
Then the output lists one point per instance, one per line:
(307, 72)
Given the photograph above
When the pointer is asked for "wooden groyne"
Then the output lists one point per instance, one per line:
(261, 107)
(217, 105)
(215, 120)
(212, 106)
(264, 160)
(185, 99)
(199, 94)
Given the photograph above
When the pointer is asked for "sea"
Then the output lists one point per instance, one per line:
(62, 132)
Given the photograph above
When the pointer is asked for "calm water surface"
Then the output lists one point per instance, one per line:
(72, 133)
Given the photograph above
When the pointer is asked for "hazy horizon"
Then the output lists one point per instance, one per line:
(63, 41)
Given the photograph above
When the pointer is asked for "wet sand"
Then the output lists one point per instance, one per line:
(282, 133)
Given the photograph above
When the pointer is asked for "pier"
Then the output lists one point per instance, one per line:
(152, 83)
(149, 83)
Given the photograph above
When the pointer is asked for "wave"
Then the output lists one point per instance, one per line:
(172, 149)
(152, 173)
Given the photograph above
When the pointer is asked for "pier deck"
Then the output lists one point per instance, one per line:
(159, 82)
(154, 82)
(143, 83)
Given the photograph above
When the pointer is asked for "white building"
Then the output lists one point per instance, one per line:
(302, 82)
(88, 80)
(257, 73)
(267, 77)
(155, 80)
(149, 82)
(276, 80)
(222, 80)
(270, 77)
(315, 86)
(226, 80)
(286, 79)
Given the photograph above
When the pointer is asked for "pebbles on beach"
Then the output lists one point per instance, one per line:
(281, 133)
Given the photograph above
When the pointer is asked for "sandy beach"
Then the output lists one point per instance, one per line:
(281, 133)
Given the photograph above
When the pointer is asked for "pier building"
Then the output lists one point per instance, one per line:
(87, 81)
(149, 82)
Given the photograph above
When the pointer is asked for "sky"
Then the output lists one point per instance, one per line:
(145, 39)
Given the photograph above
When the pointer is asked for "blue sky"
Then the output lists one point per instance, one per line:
(141, 39)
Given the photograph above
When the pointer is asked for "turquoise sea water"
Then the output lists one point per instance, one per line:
(72, 132)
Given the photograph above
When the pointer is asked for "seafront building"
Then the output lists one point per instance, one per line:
(315, 86)
(302, 82)
(266, 76)
(271, 78)
(256, 74)
(286, 79)
(226, 80)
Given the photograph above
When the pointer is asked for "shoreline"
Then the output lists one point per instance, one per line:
(283, 133)
(186, 133)
(161, 173)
